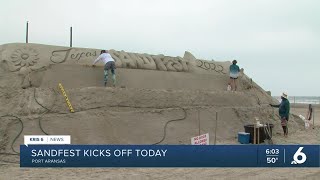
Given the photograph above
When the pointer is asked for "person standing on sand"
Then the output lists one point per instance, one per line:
(309, 114)
(109, 63)
(234, 74)
(284, 110)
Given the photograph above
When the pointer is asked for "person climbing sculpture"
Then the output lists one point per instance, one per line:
(109, 64)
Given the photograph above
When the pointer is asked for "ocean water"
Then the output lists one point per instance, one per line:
(302, 99)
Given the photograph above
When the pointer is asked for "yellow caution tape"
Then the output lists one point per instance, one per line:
(67, 99)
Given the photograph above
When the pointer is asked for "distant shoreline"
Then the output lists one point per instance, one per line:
(314, 100)
(303, 105)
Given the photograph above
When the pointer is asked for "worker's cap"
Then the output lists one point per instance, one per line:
(285, 95)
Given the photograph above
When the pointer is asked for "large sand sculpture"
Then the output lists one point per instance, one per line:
(158, 99)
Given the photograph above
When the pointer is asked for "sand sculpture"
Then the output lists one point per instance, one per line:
(27, 59)
(44, 66)
(166, 100)
(30, 57)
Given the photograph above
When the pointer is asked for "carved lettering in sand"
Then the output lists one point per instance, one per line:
(60, 56)
(128, 60)
(145, 61)
(211, 66)
(78, 56)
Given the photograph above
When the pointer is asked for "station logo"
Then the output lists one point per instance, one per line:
(299, 157)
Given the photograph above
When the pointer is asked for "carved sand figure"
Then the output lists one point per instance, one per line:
(26, 60)
(28, 56)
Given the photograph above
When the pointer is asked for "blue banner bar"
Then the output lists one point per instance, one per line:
(170, 156)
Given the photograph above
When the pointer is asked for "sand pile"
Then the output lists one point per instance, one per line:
(158, 99)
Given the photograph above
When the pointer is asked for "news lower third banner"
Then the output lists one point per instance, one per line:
(170, 156)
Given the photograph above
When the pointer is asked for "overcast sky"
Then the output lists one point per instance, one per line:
(277, 42)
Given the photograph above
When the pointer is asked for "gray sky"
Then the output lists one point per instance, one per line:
(277, 42)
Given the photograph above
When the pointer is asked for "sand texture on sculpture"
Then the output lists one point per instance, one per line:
(151, 90)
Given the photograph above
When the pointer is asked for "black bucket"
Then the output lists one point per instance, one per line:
(263, 135)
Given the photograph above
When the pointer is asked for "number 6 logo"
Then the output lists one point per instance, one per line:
(298, 154)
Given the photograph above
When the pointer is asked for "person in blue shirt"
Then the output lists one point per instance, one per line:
(284, 110)
(234, 74)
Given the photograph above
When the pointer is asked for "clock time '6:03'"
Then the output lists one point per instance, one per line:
(272, 151)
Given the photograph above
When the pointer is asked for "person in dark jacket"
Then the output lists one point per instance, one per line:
(284, 110)
(310, 111)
